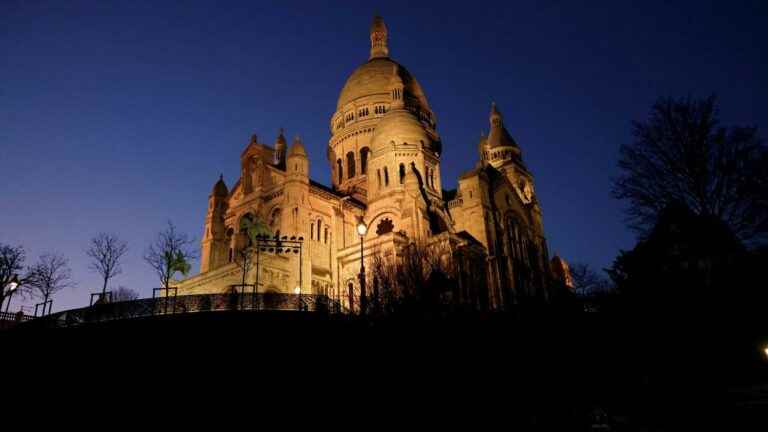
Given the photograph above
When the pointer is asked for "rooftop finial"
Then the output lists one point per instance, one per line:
(378, 38)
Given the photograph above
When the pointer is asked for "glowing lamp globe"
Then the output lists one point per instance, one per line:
(14, 283)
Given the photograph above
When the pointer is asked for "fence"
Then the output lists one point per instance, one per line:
(11, 319)
(185, 304)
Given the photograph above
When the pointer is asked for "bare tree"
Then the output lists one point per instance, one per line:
(50, 275)
(682, 156)
(124, 294)
(586, 281)
(170, 253)
(415, 279)
(106, 251)
(11, 264)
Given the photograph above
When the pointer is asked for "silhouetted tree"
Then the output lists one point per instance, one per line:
(587, 281)
(50, 275)
(415, 281)
(688, 263)
(682, 156)
(170, 254)
(12, 263)
(124, 294)
(106, 251)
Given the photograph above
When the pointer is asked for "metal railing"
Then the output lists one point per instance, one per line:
(186, 304)
(14, 316)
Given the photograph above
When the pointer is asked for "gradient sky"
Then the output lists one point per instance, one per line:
(117, 116)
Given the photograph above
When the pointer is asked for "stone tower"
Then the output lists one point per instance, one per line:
(214, 244)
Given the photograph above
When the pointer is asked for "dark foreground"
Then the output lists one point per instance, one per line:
(538, 371)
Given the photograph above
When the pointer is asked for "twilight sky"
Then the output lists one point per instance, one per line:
(117, 116)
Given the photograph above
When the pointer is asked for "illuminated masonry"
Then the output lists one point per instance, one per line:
(384, 154)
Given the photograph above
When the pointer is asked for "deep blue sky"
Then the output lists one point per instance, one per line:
(117, 116)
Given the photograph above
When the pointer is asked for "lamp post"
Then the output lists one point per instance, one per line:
(12, 285)
(361, 230)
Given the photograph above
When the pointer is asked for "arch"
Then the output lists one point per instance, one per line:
(439, 221)
(386, 177)
(350, 165)
(364, 159)
(230, 233)
(402, 173)
(340, 170)
(385, 213)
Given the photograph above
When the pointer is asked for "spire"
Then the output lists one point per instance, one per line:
(499, 136)
(220, 188)
(396, 87)
(280, 137)
(280, 146)
(378, 38)
(495, 118)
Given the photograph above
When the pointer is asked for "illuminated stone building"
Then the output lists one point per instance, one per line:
(384, 155)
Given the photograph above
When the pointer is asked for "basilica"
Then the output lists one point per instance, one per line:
(386, 193)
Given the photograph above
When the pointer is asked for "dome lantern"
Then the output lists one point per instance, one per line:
(378, 38)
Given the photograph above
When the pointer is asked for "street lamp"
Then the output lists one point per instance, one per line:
(12, 285)
(362, 228)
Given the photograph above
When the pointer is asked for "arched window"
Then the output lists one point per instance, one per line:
(364, 160)
(402, 173)
(326, 235)
(340, 169)
(312, 230)
(319, 223)
(385, 226)
(378, 175)
(274, 221)
(386, 177)
(350, 165)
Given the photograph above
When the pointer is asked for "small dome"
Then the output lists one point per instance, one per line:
(561, 271)
(482, 143)
(297, 148)
(220, 188)
(399, 126)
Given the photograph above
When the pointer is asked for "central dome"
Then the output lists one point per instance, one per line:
(373, 77)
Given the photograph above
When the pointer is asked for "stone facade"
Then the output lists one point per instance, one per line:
(384, 155)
